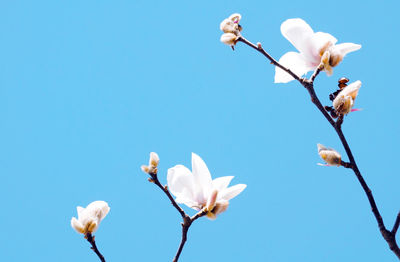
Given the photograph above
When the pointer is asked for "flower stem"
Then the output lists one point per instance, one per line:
(90, 238)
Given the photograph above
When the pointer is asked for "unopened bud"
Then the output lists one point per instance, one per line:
(329, 155)
(235, 18)
(145, 169)
(154, 159)
(344, 101)
(229, 39)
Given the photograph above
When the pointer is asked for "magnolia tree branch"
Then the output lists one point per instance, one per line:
(187, 220)
(389, 236)
(90, 238)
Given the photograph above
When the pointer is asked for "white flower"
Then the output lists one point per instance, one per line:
(344, 101)
(153, 163)
(331, 156)
(89, 218)
(197, 190)
(312, 47)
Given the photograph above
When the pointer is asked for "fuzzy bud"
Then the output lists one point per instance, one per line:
(344, 101)
(329, 155)
(229, 39)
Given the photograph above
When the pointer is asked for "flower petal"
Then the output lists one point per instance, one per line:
(180, 182)
(319, 42)
(222, 183)
(231, 192)
(202, 176)
(297, 32)
(347, 48)
(75, 224)
(295, 62)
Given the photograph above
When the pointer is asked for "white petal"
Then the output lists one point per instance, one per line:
(180, 182)
(201, 175)
(231, 192)
(295, 62)
(222, 183)
(80, 211)
(347, 48)
(297, 32)
(75, 224)
(318, 42)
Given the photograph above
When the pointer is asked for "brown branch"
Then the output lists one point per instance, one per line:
(154, 179)
(389, 236)
(187, 220)
(90, 239)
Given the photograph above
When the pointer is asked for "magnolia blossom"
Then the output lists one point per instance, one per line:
(153, 163)
(89, 218)
(344, 101)
(197, 190)
(315, 49)
(231, 28)
(331, 156)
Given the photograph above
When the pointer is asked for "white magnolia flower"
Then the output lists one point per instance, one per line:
(312, 47)
(331, 156)
(344, 101)
(197, 190)
(89, 218)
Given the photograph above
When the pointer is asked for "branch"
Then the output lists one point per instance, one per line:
(389, 236)
(187, 220)
(90, 239)
(154, 179)
(259, 48)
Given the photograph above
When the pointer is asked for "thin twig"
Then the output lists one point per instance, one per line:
(259, 48)
(396, 224)
(187, 220)
(389, 236)
(90, 239)
(154, 179)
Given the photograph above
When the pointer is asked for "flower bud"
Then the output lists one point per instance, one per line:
(145, 168)
(89, 218)
(344, 101)
(329, 155)
(154, 159)
(229, 39)
(228, 26)
(235, 18)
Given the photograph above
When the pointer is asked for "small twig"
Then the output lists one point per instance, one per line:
(396, 224)
(389, 236)
(259, 48)
(187, 220)
(90, 239)
(346, 164)
(154, 179)
(316, 73)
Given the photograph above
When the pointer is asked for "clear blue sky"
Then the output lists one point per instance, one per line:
(89, 88)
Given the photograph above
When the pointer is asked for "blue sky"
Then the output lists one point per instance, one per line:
(89, 88)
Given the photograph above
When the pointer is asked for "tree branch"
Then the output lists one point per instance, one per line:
(90, 239)
(187, 220)
(389, 236)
